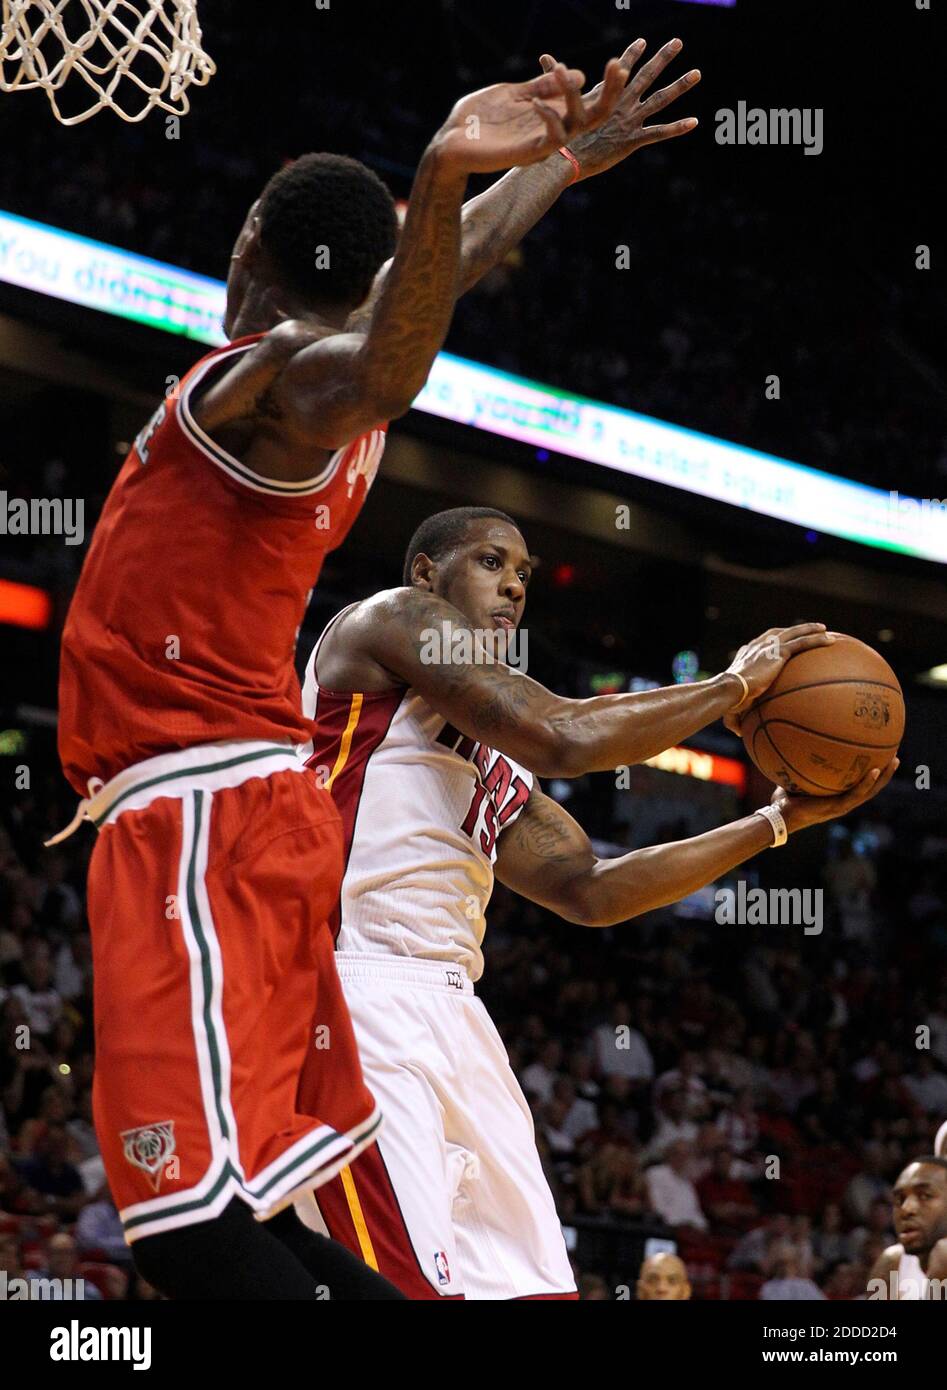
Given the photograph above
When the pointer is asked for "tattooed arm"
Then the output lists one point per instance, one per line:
(306, 387)
(411, 637)
(547, 857)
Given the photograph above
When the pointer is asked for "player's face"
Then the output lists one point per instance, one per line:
(487, 575)
(920, 1207)
(663, 1280)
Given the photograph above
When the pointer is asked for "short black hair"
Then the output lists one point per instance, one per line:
(933, 1159)
(328, 201)
(443, 530)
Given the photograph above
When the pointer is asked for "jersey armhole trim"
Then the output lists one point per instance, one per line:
(237, 470)
(320, 689)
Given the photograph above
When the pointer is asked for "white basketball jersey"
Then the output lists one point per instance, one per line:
(422, 809)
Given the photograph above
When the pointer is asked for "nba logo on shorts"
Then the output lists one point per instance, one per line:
(442, 1267)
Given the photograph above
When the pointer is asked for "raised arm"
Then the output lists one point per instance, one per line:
(495, 221)
(547, 856)
(307, 388)
(414, 638)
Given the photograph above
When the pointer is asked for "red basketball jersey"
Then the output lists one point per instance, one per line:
(182, 629)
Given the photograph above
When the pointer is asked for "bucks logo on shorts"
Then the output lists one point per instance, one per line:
(149, 1148)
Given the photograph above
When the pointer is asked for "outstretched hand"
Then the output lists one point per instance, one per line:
(800, 811)
(520, 123)
(625, 131)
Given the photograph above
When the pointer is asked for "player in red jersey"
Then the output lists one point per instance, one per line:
(217, 864)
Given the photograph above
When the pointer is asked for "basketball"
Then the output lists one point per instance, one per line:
(831, 715)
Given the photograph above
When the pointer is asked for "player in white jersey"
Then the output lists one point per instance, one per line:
(430, 747)
(916, 1267)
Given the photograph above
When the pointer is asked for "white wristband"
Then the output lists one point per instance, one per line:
(775, 817)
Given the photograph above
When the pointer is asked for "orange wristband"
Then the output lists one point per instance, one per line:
(567, 154)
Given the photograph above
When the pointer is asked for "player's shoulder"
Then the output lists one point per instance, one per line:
(279, 345)
(891, 1256)
(404, 604)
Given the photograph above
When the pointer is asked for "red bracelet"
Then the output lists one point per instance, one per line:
(567, 154)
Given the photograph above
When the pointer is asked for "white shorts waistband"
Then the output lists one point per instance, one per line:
(205, 767)
(418, 974)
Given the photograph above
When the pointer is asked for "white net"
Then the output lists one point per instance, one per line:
(132, 55)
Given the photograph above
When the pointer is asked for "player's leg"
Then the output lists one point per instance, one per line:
(339, 1274)
(508, 1233)
(167, 1161)
(392, 1205)
(195, 1091)
(232, 1256)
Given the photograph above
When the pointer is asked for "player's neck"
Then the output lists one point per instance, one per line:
(262, 308)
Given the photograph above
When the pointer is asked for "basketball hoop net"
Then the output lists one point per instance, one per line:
(133, 55)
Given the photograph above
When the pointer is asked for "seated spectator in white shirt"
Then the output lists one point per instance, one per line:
(538, 1078)
(581, 1115)
(927, 1085)
(673, 1125)
(670, 1191)
(41, 1002)
(686, 1078)
(621, 1050)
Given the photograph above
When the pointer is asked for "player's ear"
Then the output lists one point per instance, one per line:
(248, 242)
(422, 572)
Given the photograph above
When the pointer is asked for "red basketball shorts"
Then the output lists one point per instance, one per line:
(213, 875)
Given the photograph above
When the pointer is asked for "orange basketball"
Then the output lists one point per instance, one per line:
(831, 715)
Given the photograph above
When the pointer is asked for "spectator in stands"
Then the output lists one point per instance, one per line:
(868, 1185)
(787, 1283)
(751, 1250)
(739, 1124)
(927, 1086)
(670, 1190)
(878, 1227)
(49, 1173)
(621, 1050)
(686, 1079)
(663, 1278)
(539, 1077)
(727, 1200)
(831, 1244)
(62, 1265)
(42, 1003)
(673, 1122)
(99, 1230)
(610, 1182)
(580, 1116)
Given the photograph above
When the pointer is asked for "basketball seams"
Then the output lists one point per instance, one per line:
(844, 680)
(832, 791)
(829, 738)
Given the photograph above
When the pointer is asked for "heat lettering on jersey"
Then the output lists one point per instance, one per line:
(498, 794)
